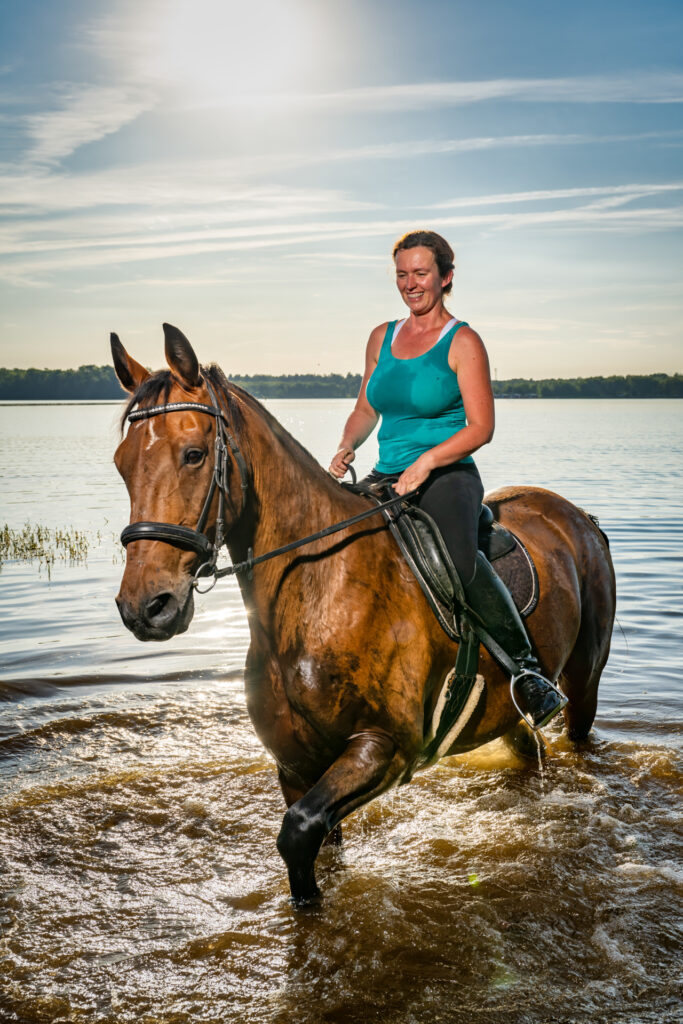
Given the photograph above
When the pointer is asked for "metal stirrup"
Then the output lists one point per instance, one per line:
(523, 714)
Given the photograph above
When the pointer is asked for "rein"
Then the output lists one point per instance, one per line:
(250, 561)
(196, 540)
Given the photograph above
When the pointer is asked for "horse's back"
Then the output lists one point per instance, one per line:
(552, 525)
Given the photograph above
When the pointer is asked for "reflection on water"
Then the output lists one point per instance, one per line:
(138, 812)
(142, 881)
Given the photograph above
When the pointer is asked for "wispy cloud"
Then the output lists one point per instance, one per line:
(615, 195)
(48, 258)
(83, 115)
(655, 87)
(251, 208)
(154, 186)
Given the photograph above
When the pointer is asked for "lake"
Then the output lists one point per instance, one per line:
(138, 811)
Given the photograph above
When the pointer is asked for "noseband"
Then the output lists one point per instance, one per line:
(182, 536)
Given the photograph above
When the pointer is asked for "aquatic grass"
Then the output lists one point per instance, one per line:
(41, 544)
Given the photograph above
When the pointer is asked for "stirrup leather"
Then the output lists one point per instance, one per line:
(527, 717)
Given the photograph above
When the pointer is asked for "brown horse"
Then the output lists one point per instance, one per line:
(346, 659)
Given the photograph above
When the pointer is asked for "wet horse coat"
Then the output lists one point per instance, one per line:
(346, 660)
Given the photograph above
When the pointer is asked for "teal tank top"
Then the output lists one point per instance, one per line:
(418, 399)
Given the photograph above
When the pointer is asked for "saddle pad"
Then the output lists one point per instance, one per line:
(518, 573)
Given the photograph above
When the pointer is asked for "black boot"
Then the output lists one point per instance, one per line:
(536, 699)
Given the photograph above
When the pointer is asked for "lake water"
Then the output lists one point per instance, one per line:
(138, 812)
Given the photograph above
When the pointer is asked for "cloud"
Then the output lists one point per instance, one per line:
(154, 185)
(639, 87)
(69, 254)
(416, 148)
(84, 114)
(615, 195)
(179, 188)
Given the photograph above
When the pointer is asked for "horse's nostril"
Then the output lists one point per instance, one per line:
(162, 606)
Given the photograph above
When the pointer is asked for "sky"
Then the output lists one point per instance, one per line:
(242, 171)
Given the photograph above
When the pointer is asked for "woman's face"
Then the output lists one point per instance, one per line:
(418, 279)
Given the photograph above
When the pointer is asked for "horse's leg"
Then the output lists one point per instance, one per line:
(293, 791)
(581, 675)
(524, 742)
(367, 767)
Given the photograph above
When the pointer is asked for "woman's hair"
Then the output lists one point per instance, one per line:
(443, 254)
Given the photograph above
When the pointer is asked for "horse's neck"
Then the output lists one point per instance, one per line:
(292, 495)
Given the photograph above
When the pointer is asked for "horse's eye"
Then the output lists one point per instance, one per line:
(193, 456)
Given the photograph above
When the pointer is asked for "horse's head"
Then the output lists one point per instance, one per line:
(175, 465)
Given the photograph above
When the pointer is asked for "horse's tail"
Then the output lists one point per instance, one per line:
(596, 523)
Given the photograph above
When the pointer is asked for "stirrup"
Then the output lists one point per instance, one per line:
(527, 717)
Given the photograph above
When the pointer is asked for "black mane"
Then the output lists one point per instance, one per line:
(156, 389)
(149, 392)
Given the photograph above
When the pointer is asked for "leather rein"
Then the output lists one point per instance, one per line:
(196, 540)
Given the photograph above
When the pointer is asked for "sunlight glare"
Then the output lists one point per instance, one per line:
(212, 49)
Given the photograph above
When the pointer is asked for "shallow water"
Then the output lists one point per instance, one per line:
(138, 812)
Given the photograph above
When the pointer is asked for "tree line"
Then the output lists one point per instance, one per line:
(99, 382)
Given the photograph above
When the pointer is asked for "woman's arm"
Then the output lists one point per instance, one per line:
(467, 358)
(363, 419)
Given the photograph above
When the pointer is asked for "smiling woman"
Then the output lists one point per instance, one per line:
(211, 48)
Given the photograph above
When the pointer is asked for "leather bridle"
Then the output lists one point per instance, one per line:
(182, 536)
(196, 540)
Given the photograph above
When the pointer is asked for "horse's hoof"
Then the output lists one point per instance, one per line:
(308, 902)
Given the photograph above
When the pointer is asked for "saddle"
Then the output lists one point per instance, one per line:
(423, 548)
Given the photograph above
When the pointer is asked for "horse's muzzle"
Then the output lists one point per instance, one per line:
(158, 616)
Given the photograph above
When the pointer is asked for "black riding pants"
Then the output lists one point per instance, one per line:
(452, 497)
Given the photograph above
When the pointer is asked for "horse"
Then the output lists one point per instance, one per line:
(346, 660)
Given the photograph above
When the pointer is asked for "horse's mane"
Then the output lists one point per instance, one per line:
(157, 388)
(151, 389)
(235, 396)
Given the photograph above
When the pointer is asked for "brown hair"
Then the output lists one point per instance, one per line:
(443, 254)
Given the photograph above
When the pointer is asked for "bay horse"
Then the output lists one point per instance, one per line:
(347, 659)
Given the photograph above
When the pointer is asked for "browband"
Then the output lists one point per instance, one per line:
(158, 410)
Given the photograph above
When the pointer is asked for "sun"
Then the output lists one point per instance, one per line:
(214, 49)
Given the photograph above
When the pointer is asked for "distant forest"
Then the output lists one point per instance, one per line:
(97, 382)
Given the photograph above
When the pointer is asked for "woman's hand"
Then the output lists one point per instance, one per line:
(341, 461)
(414, 476)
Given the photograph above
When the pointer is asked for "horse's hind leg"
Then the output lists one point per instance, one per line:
(581, 675)
(367, 767)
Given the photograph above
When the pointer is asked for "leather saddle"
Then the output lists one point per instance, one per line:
(423, 548)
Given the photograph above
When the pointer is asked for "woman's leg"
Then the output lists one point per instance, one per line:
(452, 497)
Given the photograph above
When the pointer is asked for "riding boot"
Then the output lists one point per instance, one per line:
(537, 699)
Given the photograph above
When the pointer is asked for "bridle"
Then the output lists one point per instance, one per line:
(182, 536)
(196, 540)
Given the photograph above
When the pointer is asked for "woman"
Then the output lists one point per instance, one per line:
(428, 378)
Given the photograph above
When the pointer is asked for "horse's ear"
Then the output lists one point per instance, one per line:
(180, 357)
(129, 372)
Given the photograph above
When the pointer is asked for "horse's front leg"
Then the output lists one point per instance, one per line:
(368, 766)
(293, 791)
